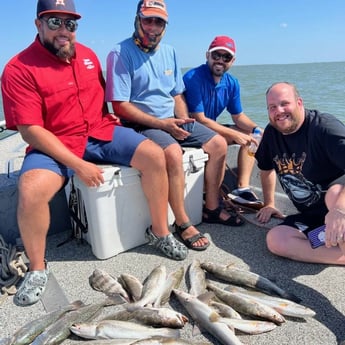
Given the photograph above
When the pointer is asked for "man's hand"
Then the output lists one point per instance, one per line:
(265, 214)
(90, 174)
(241, 138)
(335, 228)
(174, 127)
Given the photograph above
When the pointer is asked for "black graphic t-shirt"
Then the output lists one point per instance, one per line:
(305, 161)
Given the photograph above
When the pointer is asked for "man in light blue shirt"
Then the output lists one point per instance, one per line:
(145, 86)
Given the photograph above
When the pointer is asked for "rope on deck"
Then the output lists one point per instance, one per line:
(12, 268)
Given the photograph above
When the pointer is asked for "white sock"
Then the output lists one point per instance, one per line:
(242, 189)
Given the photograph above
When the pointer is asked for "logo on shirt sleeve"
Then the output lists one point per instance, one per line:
(89, 64)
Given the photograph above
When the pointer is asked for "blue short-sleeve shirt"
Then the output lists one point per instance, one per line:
(204, 95)
(148, 80)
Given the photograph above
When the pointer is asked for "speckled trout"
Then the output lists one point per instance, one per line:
(152, 288)
(197, 278)
(166, 341)
(112, 329)
(132, 285)
(59, 331)
(249, 326)
(246, 305)
(225, 310)
(104, 282)
(207, 318)
(27, 333)
(172, 281)
(160, 317)
(246, 278)
(149, 341)
(281, 305)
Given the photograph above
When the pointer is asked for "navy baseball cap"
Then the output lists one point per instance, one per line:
(56, 6)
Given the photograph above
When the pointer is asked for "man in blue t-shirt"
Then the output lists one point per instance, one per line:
(145, 86)
(210, 91)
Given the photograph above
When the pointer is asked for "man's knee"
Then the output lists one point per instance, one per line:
(275, 242)
(148, 155)
(38, 186)
(333, 194)
(216, 145)
(174, 154)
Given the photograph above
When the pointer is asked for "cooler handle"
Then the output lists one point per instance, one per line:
(192, 168)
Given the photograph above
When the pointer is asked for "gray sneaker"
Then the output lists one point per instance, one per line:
(168, 245)
(32, 288)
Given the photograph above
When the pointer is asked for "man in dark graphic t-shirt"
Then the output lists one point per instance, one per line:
(305, 150)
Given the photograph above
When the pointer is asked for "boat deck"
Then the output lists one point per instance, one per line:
(321, 287)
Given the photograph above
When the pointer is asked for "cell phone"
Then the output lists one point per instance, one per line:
(189, 126)
(317, 237)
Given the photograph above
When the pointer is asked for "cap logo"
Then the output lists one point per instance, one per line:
(155, 4)
(60, 2)
(230, 45)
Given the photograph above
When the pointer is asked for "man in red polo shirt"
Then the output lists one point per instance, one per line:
(53, 94)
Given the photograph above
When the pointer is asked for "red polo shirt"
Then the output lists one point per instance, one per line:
(65, 98)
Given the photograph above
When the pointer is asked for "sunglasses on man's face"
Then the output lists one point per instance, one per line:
(227, 57)
(55, 23)
(151, 20)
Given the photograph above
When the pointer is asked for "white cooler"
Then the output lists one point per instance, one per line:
(194, 167)
(117, 211)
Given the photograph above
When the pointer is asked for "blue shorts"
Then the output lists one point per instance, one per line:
(118, 151)
(200, 135)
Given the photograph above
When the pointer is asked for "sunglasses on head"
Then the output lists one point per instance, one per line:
(227, 57)
(55, 23)
(152, 20)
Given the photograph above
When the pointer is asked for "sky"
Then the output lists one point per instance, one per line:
(265, 31)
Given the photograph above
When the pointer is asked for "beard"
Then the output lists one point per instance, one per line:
(218, 70)
(292, 128)
(64, 53)
(143, 40)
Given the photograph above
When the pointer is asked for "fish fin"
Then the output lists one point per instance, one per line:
(196, 330)
(284, 294)
(206, 297)
(292, 297)
(115, 299)
(77, 304)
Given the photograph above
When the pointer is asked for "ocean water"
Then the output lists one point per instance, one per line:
(321, 85)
